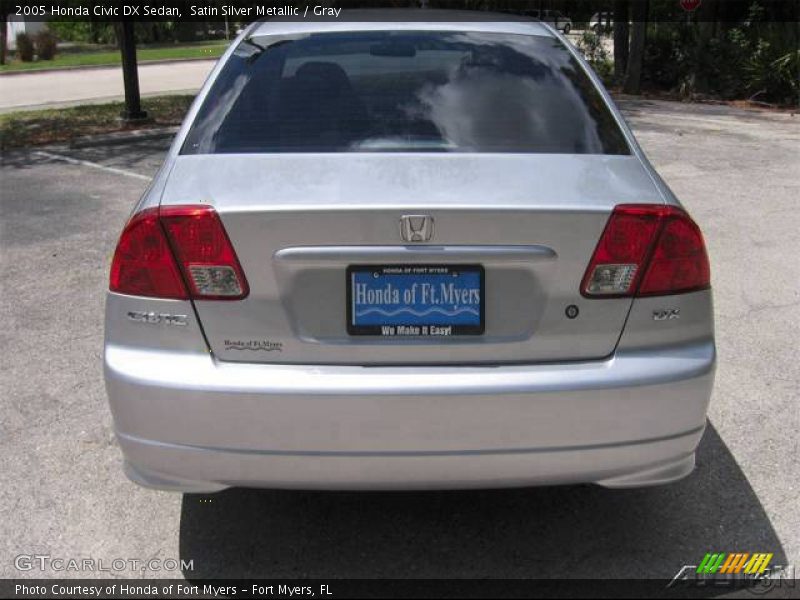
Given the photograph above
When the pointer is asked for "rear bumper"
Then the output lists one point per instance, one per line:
(186, 422)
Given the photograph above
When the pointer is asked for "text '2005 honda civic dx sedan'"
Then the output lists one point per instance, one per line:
(401, 254)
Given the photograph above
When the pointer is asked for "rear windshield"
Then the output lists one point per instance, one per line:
(404, 91)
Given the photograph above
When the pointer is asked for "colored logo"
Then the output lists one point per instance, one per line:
(734, 563)
(736, 570)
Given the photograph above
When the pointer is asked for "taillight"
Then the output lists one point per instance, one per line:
(177, 252)
(204, 252)
(143, 264)
(647, 250)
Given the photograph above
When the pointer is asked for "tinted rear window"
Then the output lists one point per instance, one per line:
(404, 91)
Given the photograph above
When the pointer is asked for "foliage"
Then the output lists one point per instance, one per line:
(24, 47)
(787, 69)
(731, 61)
(149, 32)
(45, 43)
(591, 46)
(772, 74)
(92, 32)
(665, 62)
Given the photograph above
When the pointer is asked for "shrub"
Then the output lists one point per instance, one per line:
(45, 43)
(591, 46)
(24, 47)
(83, 31)
(787, 68)
(772, 75)
(665, 61)
(752, 59)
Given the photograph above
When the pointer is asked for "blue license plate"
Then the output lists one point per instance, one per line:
(415, 300)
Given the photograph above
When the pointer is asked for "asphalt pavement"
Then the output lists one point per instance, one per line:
(62, 491)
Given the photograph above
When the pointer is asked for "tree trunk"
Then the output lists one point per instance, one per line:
(621, 39)
(130, 73)
(3, 34)
(633, 74)
(704, 24)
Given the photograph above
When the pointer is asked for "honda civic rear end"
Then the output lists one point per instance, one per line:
(407, 255)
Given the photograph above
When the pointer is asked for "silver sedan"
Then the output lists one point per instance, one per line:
(388, 253)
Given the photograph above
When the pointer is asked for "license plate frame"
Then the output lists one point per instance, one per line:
(404, 324)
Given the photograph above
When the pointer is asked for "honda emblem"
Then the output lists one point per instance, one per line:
(416, 228)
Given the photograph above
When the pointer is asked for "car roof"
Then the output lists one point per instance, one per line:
(404, 19)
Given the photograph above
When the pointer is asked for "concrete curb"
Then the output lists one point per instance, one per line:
(143, 63)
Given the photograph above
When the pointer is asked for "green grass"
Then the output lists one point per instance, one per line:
(109, 56)
(37, 127)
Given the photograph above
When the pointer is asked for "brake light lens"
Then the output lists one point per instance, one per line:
(177, 252)
(143, 264)
(204, 252)
(679, 262)
(647, 250)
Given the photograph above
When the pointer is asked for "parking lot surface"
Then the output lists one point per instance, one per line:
(62, 491)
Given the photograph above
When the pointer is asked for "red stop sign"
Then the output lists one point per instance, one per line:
(690, 5)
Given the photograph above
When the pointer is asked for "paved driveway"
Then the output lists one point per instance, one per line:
(73, 86)
(62, 491)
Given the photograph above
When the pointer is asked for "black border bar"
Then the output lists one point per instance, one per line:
(398, 588)
(246, 11)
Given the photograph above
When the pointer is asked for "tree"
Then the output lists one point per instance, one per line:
(130, 73)
(633, 73)
(621, 39)
(4, 10)
(705, 25)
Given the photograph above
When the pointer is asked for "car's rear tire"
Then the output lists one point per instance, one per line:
(566, 29)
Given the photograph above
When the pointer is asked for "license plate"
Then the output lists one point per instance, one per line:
(415, 300)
